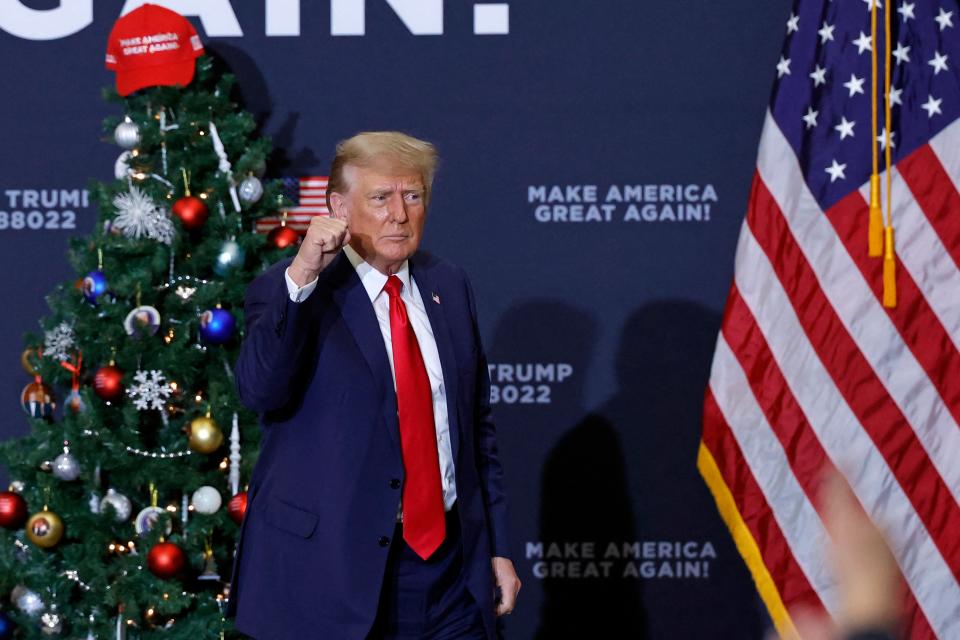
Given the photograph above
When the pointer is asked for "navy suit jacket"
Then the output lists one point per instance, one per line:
(324, 492)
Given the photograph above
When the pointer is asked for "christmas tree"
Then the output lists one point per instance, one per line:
(127, 501)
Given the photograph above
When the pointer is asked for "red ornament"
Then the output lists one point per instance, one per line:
(166, 560)
(13, 510)
(108, 382)
(191, 211)
(237, 507)
(283, 237)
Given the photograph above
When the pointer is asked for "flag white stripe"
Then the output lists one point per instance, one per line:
(858, 308)
(945, 147)
(923, 255)
(844, 440)
(763, 453)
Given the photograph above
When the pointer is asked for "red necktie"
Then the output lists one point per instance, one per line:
(424, 527)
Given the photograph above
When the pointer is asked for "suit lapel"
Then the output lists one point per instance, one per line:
(361, 320)
(441, 333)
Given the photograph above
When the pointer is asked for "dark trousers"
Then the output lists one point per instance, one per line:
(427, 599)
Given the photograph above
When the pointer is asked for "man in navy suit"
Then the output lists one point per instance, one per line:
(376, 507)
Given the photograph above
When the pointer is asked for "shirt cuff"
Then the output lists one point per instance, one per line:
(299, 294)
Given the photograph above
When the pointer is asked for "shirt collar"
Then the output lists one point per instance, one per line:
(372, 280)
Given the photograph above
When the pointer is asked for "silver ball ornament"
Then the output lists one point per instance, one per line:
(127, 134)
(66, 467)
(251, 189)
(121, 505)
(206, 500)
(231, 257)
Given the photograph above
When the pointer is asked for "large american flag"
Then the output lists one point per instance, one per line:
(811, 371)
(308, 194)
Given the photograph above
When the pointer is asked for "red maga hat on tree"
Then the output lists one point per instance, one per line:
(152, 46)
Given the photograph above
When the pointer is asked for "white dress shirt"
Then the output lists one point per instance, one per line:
(373, 281)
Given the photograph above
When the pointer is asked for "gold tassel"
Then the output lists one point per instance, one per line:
(889, 270)
(875, 226)
(889, 255)
(875, 230)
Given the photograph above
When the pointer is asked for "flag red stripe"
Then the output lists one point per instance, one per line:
(855, 379)
(807, 458)
(916, 322)
(791, 582)
(936, 195)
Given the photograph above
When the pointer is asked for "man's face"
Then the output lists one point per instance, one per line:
(385, 212)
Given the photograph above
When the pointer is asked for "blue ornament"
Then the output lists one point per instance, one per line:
(217, 326)
(231, 257)
(6, 627)
(94, 286)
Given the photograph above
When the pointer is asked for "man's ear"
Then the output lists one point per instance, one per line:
(338, 207)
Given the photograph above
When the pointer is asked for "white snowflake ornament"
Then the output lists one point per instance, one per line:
(139, 217)
(58, 342)
(150, 390)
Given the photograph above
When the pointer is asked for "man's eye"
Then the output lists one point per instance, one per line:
(413, 197)
(379, 197)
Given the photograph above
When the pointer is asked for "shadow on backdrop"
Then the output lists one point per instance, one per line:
(578, 482)
(627, 472)
(288, 157)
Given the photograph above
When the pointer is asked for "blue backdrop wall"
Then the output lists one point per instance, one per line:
(596, 162)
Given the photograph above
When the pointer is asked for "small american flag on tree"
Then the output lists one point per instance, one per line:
(308, 195)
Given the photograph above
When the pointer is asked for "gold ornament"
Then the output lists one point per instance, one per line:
(205, 435)
(45, 528)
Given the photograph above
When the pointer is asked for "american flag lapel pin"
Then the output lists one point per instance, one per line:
(436, 297)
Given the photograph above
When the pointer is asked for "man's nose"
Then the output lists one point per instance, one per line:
(397, 207)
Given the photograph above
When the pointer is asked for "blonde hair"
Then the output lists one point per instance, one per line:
(386, 150)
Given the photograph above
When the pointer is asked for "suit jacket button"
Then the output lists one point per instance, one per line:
(383, 541)
(395, 483)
